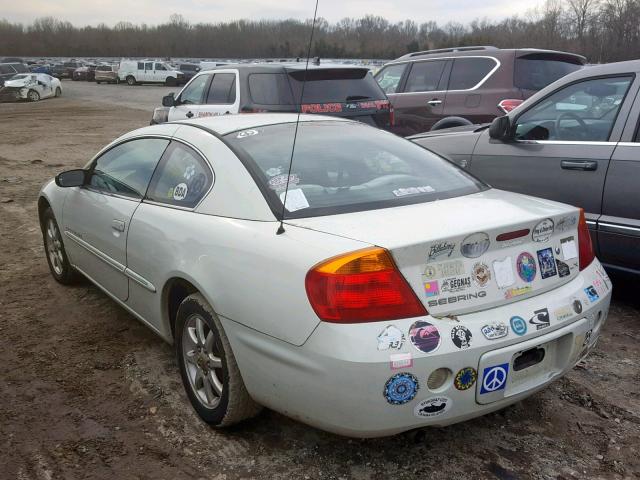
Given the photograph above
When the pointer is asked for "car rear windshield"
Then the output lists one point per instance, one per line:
(534, 72)
(337, 85)
(341, 167)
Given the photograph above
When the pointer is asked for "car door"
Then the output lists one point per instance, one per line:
(44, 82)
(190, 100)
(223, 97)
(96, 217)
(159, 72)
(619, 225)
(420, 102)
(147, 75)
(562, 146)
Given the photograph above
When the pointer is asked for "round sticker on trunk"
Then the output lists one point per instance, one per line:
(432, 407)
(526, 266)
(475, 245)
(481, 274)
(542, 231)
(424, 336)
(401, 388)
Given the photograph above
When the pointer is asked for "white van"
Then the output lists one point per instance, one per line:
(135, 72)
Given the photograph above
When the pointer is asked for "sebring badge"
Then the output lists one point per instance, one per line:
(475, 245)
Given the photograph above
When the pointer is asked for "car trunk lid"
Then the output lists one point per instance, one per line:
(470, 253)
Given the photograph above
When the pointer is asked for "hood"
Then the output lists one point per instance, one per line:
(475, 128)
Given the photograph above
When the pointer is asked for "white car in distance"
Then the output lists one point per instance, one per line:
(402, 292)
(136, 72)
(31, 87)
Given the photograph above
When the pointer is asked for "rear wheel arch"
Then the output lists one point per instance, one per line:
(176, 289)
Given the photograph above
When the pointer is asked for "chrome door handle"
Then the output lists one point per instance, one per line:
(118, 225)
(434, 102)
(588, 165)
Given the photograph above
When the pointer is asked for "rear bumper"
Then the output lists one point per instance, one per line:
(340, 381)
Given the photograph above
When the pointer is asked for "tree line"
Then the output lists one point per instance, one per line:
(602, 30)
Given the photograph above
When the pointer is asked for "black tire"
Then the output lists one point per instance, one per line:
(98, 82)
(450, 122)
(131, 81)
(234, 404)
(58, 92)
(171, 82)
(63, 273)
(33, 96)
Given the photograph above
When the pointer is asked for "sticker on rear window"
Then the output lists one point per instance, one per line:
(247, 133)
(295, 200)
(180, 191)
(279, 182)
(401, 192)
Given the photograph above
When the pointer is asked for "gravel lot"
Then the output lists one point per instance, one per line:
(88, 392)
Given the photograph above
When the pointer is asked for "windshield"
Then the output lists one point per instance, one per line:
(341, 167)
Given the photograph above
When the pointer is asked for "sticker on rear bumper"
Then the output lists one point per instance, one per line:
(494, 331)
(518, 325)
(465, 378)
(424, 336)
(461, 337)
(592, 294)
(432, 407)
(391, 338)
(494, 378)
(401, 388)
(540, 319)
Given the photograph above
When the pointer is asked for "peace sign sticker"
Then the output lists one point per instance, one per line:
(494, 378)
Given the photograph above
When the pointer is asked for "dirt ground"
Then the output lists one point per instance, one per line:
(87, 392)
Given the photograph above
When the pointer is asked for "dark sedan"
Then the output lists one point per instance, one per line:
(576, 141)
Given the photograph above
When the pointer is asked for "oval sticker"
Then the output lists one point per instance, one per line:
(475, 245)
(542, 231)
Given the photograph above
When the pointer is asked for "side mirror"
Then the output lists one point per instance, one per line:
(169, 100)
(500, 128)
(71, 178)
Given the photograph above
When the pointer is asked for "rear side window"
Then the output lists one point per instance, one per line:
(425, 76)
(469, 72)
(223, 89)
(270, 89)
(20, 68)
(140, 65)
(339, 85)
(148, 66)
(127, 168)
(389, 77)
(182, 178)
(537, 71)
(5, 69)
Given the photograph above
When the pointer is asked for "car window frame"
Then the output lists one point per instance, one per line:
(205, 90)
(401, 81)
(91, 165)
(446, 73)
(616, 122)
(163, 160)
(442, 75)
(236, 83)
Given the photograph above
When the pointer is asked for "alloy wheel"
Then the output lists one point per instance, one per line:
(54, 247)
(202, 361)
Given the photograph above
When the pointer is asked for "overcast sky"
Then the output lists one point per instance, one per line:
(92, 12)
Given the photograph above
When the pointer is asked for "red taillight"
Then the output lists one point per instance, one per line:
(362, 286)
(509, 104)
(585, 246)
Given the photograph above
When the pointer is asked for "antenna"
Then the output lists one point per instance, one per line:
(280, 230)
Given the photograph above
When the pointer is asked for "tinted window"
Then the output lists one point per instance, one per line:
(425, 76)
(5, 69)
(338, 85)
(223, 89)
(270, 89)
(160, 66)
(182, 177)
(140, 65)
(20, 68)
(536, 72)
(340, 166)
(469, 72)
(127, 168)
(584, 111)
(194, 92)
(389, 77)
(148, 66)
(185, 67)
(103, 69)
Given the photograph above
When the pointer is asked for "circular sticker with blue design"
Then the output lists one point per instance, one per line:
(518, 325)
(526, 266)
(465, 378)
(401, 388)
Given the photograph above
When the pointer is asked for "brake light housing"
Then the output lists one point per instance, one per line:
(361, 286)
(585, 246)
(509, 104)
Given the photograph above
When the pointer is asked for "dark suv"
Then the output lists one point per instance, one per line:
(338, 90)
(459, 86)
(8, 70)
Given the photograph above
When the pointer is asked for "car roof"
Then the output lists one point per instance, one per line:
(224, 124)
(284, 66)
(487, 51)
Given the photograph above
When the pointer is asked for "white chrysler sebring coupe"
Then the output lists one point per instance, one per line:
(399, 291)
